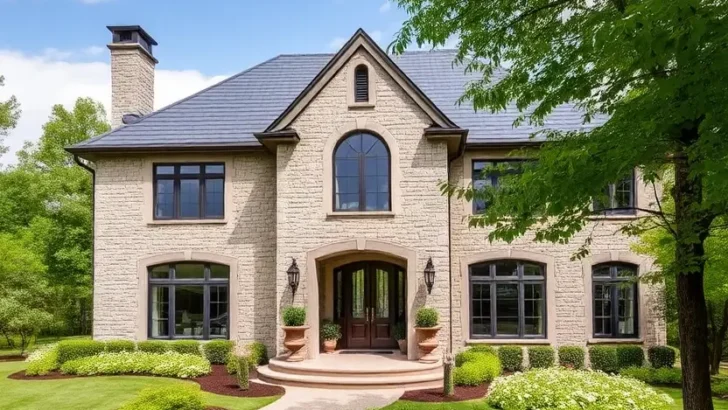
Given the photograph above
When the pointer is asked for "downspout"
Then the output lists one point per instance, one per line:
(461, 151)
(83, 165)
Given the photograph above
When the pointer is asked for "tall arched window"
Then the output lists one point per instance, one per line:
(361, 84)
(361, 174)
(614, 289)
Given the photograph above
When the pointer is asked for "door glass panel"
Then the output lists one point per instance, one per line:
(357, 294)
(382, 296)
(339, 302)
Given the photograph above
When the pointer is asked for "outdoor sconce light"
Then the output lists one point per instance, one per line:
(429, 275)
(294, 274)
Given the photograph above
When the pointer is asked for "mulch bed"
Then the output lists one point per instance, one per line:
(220, 382)
(12, 358)
(462, 393)
(50, 376)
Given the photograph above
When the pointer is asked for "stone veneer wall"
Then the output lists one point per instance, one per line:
(123, 238)
(132, 82)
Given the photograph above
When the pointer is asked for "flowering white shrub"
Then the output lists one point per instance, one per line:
(170, 364)
(43, 360)
(563, 389)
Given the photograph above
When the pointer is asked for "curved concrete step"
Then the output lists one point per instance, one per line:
(343, 379)
(390, 368)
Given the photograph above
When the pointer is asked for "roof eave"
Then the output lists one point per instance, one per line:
(93, 152)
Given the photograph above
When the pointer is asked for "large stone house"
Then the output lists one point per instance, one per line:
(333, 161)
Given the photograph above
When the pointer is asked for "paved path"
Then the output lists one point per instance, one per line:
(302, 398)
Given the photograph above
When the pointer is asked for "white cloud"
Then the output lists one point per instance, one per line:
(41, 81)
(385, 7)
(94, 50)
(337, 42)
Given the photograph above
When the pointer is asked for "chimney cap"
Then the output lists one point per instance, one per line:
(138, 29)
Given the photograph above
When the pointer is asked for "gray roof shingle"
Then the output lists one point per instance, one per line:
(229, 112)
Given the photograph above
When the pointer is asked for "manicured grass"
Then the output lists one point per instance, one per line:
(102, 393)
(676, 394)
(463, 405)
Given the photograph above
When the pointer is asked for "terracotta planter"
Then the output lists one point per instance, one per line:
(295, 342)
(427, 343)
(402, 346)
(330, 346)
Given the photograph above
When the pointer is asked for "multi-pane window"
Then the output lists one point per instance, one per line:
(188, 301)
(361, 174)
(487, 173)
(619, 197)
(189, 191)
(614, 289)
(508, 300)
(361, 84)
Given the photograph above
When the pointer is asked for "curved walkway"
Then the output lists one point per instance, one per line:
(302, 398)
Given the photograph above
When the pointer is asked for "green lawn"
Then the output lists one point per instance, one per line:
(100, 393)
(677, 395)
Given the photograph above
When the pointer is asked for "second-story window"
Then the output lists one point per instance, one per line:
(361, 174)
(488, 173)
(619, 197)
(189, 191)
(361, 84)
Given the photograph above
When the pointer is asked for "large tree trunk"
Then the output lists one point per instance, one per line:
(691, 226)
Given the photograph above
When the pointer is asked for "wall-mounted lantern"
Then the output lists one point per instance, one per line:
(429, 275)
(294, 275)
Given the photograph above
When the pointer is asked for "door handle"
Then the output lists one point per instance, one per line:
(366, 315)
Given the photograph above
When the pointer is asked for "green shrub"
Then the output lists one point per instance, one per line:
(484, 349)
(511, 357)
(231, 365)
(186, 347)
(294, 316)
(116, 346)
(573, 390)
(154, 346)
(330, 331)
(170, 364)
(242, 373)
(399, 331)
(482, 369)
(217, 351)
(663, 375)
(630, 356)
(468, 356)
(76, 349)
(720, 388)
(640, 373)
(661, 356)
(541, 356)
(257, 354)
(571, 357)
(43, 361)
(604, 358)
(427, 317)
(167, 398)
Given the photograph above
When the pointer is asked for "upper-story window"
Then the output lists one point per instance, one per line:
(619, 197)
(189, 191)
(614, 289)
(361, 174)
(361, 84)
(488, 173)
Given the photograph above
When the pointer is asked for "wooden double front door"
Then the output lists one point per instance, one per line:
(369, 299)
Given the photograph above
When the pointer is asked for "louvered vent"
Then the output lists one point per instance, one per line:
(361, 84)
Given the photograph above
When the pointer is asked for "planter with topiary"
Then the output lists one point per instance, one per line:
(294, 324)
(330, 334)
(399, 332)
(426, 326)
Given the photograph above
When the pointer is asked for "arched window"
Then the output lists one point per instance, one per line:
(361, 174)
(361, 84)
(188, 300)
(508, 299)
(614, 286)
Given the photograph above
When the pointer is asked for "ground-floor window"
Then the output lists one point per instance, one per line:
(614, 289)
(507, 299)
(189, 301)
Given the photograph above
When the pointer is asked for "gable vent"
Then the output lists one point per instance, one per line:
(361, 84)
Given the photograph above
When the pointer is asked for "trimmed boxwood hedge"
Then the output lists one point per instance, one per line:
(630, 356)
(571, 357)
(116, 346)
(604, 358)
(483, 349)
(661, 356)
(478, 368)
(186, 347)
(77, 349)
(541, 356)
(217, 351)
(154, 346)
(511, 357)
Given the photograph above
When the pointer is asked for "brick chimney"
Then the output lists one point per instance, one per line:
(132, 74)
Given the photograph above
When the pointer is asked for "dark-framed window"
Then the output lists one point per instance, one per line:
(361, 84)
(487, 173)
(362, 174)
(189, 191)
(615, 294)
(619, 197)
(507, 300)
(189, 300)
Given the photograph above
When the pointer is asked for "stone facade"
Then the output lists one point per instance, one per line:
(132, 82)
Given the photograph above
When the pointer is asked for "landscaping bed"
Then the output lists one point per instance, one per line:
(12, 358)
(462, 393)
(220, 382)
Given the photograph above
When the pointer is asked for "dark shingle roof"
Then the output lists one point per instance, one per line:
(229, 112)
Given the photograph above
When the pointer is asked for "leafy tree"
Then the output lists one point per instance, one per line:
(9, 114)
(658, 71)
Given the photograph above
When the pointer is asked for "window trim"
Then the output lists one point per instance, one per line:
(362, 177)
(612, 187)
(177, 177)
(613, 279)
(351, 67)
(206, 282)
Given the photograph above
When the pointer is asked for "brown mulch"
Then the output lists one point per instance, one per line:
(50, 376)
(462, 393)
(220, 382)
(12, 358)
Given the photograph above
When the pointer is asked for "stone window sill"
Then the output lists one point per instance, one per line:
(594, 341)
(361, 105)
(371, 214)
(508, 342)
(187, 222)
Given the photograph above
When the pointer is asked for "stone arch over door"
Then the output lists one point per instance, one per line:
(352, 246)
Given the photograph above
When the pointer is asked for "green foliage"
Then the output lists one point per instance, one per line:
(186, 347)
(483, 349)
(427, 317)
(571, 357)
(469, 355)
(661, 376)
(541, 356)
(217, 351)
(9, 114)
(116, 346)
(75, 349)
(257, 354)
(19, 317)
(242, 373)
(482, 368)
(154, 346)
(511, 357)
(630, 356)
(720, 388)
(167, 398)
(330, 331)
(573, 390)
(170, 364)
(399, 331)
(42, 361)
(661, 356)
(604, 358)
(294, 316)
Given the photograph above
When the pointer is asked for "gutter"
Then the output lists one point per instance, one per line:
(460, 154)
(80, 163)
